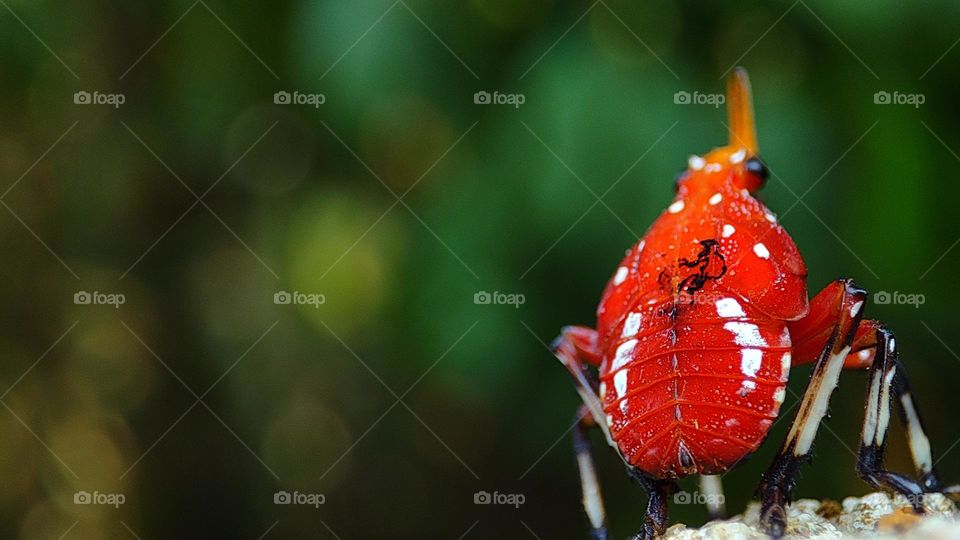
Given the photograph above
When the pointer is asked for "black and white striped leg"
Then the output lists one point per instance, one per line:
(658, 493)
(778, 481)
(592, 499)
(889, 383)
(711, 488)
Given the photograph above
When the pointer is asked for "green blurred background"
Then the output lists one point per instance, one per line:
(200, 398)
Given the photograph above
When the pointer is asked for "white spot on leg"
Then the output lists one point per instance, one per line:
(712, 488)
(676, 207)
(621, 275)
(815, 405)
(729, 307)
(919, 444)
(761, 251)
(715, 199)
(870, 421)
(728, 231)
(883, 419)
(592, 501)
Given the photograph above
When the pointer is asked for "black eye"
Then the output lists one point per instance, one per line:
(756, 167)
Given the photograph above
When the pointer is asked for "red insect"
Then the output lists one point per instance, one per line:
(697, 332)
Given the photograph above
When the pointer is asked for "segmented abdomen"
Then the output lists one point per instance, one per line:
(693, 387)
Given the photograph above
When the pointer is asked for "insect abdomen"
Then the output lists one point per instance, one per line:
(693, 388)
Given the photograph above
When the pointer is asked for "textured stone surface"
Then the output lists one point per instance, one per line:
(876, 515)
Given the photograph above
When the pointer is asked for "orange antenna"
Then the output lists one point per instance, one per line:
(743, 131)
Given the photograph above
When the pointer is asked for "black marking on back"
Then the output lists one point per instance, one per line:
(709, 265)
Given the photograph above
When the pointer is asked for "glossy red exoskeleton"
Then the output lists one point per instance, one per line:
(696, 335)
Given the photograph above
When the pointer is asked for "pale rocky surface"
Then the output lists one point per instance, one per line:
(876, 515)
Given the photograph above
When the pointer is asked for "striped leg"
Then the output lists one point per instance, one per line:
(712, 490)
(576, 347)
(592, 499)
(889, 383)
(839, 305)
(864, 355)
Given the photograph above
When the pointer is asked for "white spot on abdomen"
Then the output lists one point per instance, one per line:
(728, 231)
(729, 307)
(620, 383)
(746, 334)
(696, 162)
(676, 207)
(761, 251)
(738, 156)
(750, 361)
(620, 276)
(631, 325)
(715, 199)
(623, 354)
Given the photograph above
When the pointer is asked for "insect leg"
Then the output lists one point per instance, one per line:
(839, 306)
(658, 491)
(888, 383)
(881, 360)
(877, 420)
(592, 499)
(712, 490)
(575, 347)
